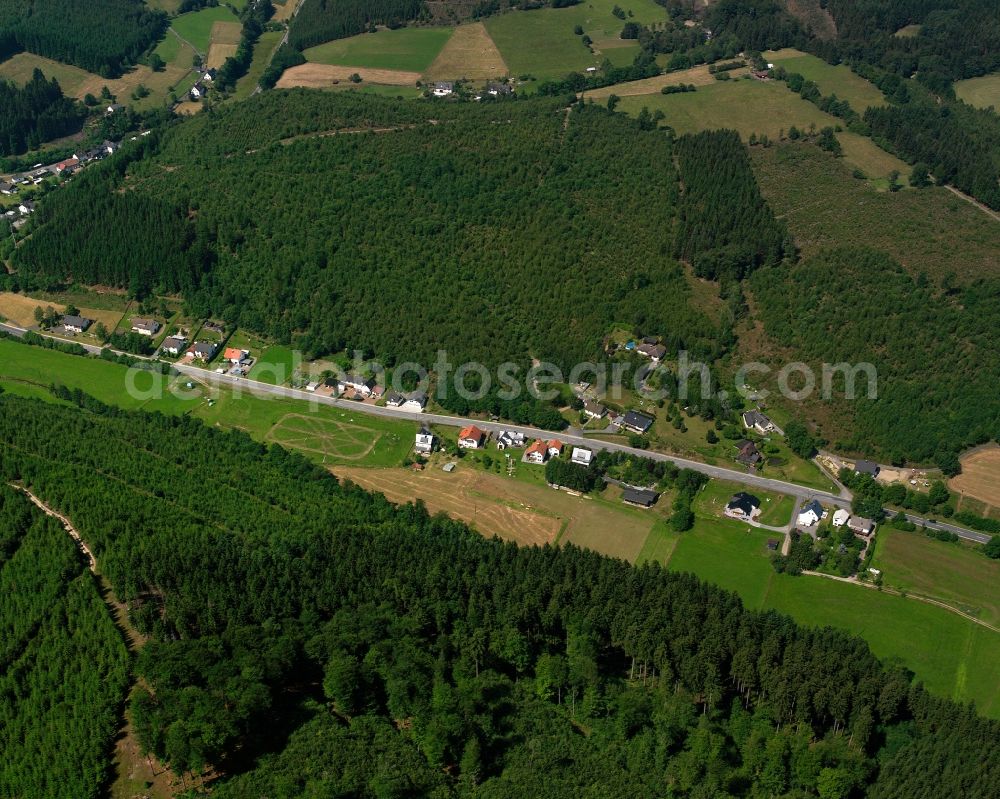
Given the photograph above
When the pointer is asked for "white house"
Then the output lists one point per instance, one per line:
(197, 91)
(755, 420)
(145, 327)
(582, 455)
(424, 443)
(743, 506)
(203, 350)
(361, 385)
(841, 517)
(173, 345)
(555, 448)
(507, 439)
(537, 452)
(312, 386)
(810, 514)
(471, 437)
(594, 409)
(76, 324)
(443, 88)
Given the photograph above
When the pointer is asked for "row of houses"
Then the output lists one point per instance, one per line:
(538, 451)
(446, 88)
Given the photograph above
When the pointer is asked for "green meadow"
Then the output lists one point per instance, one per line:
(831, 79)
(196, 26)
(541, 42)
(409, 49)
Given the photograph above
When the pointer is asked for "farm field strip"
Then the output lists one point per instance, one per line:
(470, 53)
(322, 76)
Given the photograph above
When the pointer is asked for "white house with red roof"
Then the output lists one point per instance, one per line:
(471, 437)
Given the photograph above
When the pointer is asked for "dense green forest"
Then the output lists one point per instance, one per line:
(35, 113)
(934, 348)
(481, 233)
(102, 36)
(320, 21)
(63, 665)
(726, 227)
(299, 625)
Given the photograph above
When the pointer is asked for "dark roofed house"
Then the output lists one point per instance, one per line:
(7, 188)
(748, 454)
(637, 422)
(743, 506)
(76, 324)
(654, 351)
(204, 350)
(499, 89)
(755, 420)
(641, 497)
(866, 467)
(594, 409)
(173, 345)
(145, 327)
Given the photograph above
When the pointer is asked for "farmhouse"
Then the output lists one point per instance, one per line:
(555, 448)
(637, 421)
(198, 91)
(203, 350)
(861, 527)
(471, 437)
(415, 402)
(537, 452)
(640, 497)
(173, 345)
(755, 420)
(208, 75)
(810, 514)
(866, 467)
(424, 443)
(361, 385)
(114, 108)
(76, 324)
(27, 207)
(841, 517)
(509, 438)
(145, 327)
(499, 89)
(748, 454)
(653, 351)
(743, 506)
(582, 456)
(594, 409)
(67, 165)
(235, 355)
(7, 188)
(443, 88)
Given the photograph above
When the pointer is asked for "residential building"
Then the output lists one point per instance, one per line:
(443, 88)
(637, 421)
(360, 385)
(471, 437)
(755, 420)
(582, 455)
(841, 517)
(203, 350)
(415, 402)
(555, 448)
(538, 452)
(508, 439)
(68, 165)
(743, 506)
(654, 352)
(311, 387)
(748, 454)
(866, 467)
(861, 527)
(173, 345)
(76, 324)
(424, 443)
(198, 91)
(594, 409)
(7, 188)
(378, 392)
(235, 355)
(499, 89)
(810, 514)
(145, 327)
(640, 497)
(394, 399)
(26, 207)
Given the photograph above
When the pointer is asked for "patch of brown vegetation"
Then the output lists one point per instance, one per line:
(20, 309)
(813, 17)
(470, 53)
(980, 477)
(696, 76)
(322, 76)
(188, 108)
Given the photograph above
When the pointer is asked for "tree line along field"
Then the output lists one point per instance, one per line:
(836, 79)
(292, 577)
(719, 550)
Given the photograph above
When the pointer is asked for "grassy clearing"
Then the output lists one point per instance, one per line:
(261, 56)
(929, 230)
(20, 67)
(196, 26)
(831, 79)
(982, 92)
(908, 30)
(778, 512)
(951, 573)
(542, 42)
(470, 53)
(980, 477)
(276, 366)
(406, 49)
(696, 76)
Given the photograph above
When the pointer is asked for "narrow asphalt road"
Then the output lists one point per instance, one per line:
(567, 437)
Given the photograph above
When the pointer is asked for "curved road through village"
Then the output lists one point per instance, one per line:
(801, 493)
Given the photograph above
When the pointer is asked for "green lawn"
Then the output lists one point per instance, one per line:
(196, 26)
(951, 573)
(409, 49)
(276, 366)
(981, 92)
(831, 79)
(542, 43)
(778, 512)
(261, 56)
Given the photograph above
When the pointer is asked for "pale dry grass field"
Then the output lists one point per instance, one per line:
(696, 76)
(470, 53)
(321, 76)
(980, 477)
